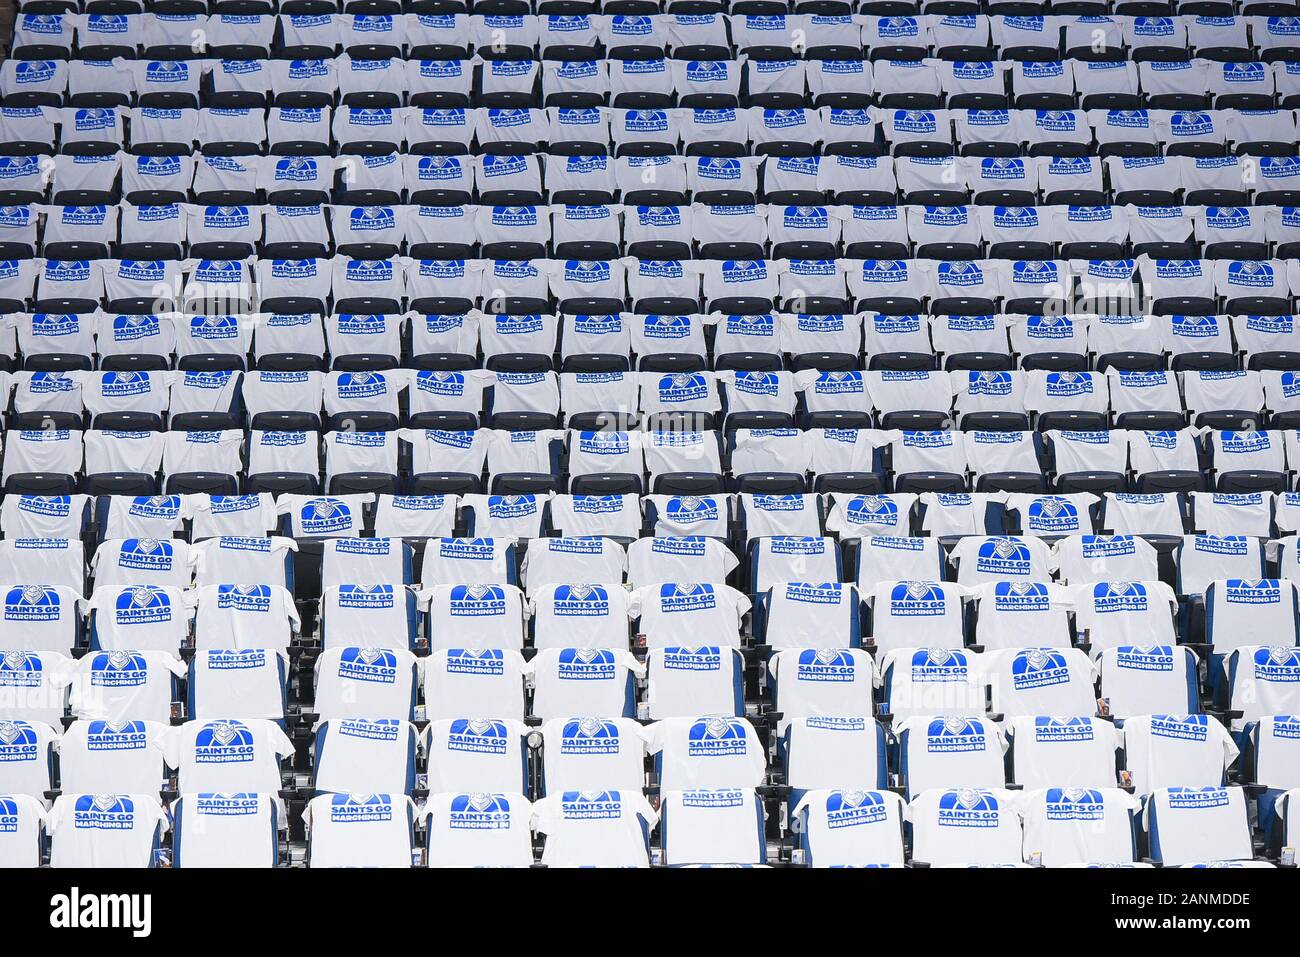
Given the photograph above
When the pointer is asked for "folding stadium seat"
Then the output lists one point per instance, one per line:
(876, 820)
(581, 752)
(476, 753)
(900, 609)
(378, 615)
(930, 682)
(227, 756)
(1188, 824)
(28, 747)
(1125, 613)
(997, 558)
(489, 680)
(584, 680)
(140, 561)
(252, 682)
(97, 756)
(56, 561)
(1158, 513)
(358, 682)
(777, 559)
(359, 752)
(1261, 681)
(1268, 753)
(1193, 749)
(673, 614)
(719, 751)
(43, 516)
(1202, 559)
(37, 680)
(946, 752)
(1149, 679)
(718, 826)
(34, 453)
(472, 829)
(1248, 460)
(478, 615)
(1066, 826)
(608, 828)
(1238, 608)
(224, 559)
(105, 830)
(469, 560)
(359, 830)
(45, 618)
(1032, 681)
(859, 516)
(1218, 513)
(598, 513)
(315, 516)
(124, 685)
(595, 616)
(347, 559)
(139, 618)
(1015, 614)
(965, 826)
(880, 558)
(1072, 752)
(1051, 515)
(227, 830)
(22, 840)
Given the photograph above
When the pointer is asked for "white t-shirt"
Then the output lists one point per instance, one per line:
(965, 826)
(715, 752)
(359, 830)
(250, 682)
(25, 758)
(1113, 613)
(355, 752)
(463, 680)
(911, 614)
(1161, 749)
(685, 681)
(227, 830)
(231, 616)
(1031, 681)
(32, 686)
(226, 755)
(1148, 679)
(140, 618)
(1074, 751)
(482, 754)
(591, 615)
(996, 558)
(583, 751)
(365, 682)
(124, 685)
(479, 830)
(1070, 825)
(40, 618)
(104, 830)
(20, 837)
(852, 828)
(97, 756)
(812, 615)
(693, 558)
(1188, 824)
(1015, 614)
(595, 828)
(950, 752)
(569, 681)
(1094, 558)
(675, 614)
